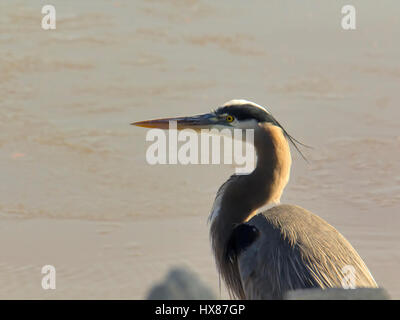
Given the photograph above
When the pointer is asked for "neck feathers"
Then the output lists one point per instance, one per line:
(241, 195)
(273, 163)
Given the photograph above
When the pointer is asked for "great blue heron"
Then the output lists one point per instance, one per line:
(262, 256)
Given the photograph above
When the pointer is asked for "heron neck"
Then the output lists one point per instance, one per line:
(242, 195)
(272, 171)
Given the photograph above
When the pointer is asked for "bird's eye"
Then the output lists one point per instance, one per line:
(229, 118)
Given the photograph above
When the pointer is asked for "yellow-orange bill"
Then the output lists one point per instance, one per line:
(195, 122)
(156, 123)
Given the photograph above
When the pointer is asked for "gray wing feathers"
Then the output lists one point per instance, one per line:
(296, 249)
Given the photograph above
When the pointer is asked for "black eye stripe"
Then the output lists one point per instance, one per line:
(244, 112)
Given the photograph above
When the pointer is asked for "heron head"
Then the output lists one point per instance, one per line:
(243, 114)
(235, 114)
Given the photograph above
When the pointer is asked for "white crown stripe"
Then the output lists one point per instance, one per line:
(239, 102)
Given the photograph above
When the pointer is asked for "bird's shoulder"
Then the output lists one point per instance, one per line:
(299, 250)
(295, 223)
(295, 227)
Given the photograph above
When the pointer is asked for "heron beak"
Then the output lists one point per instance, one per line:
(203, 121)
